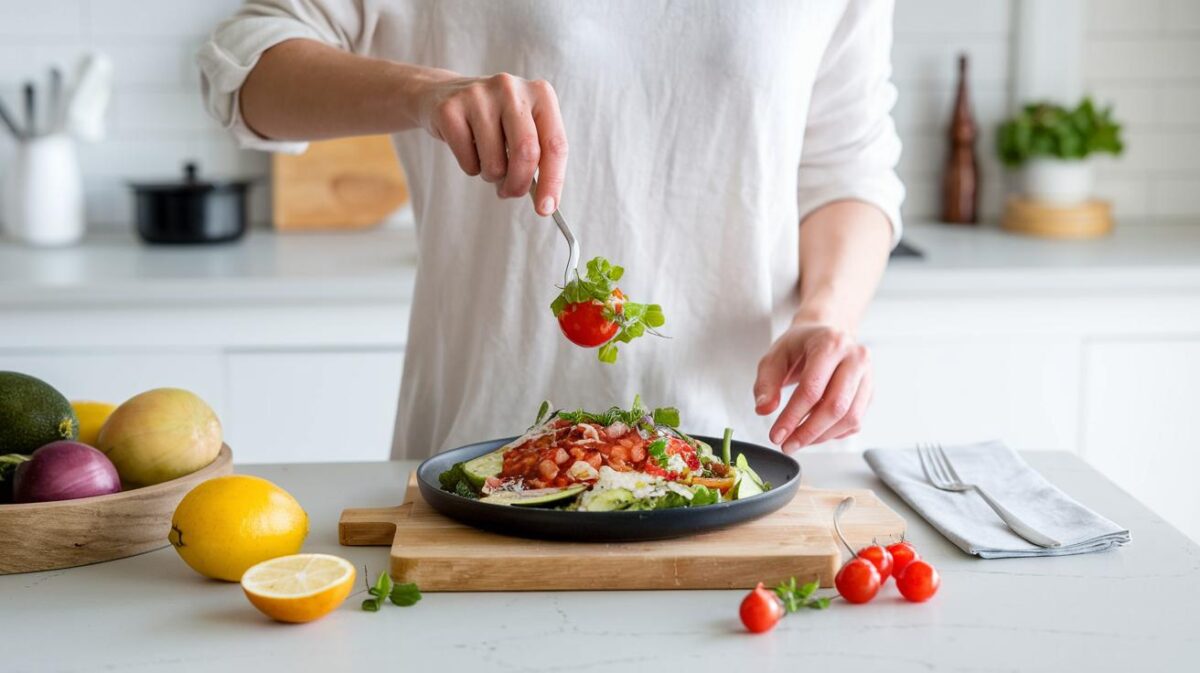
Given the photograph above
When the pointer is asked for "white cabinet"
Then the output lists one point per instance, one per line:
(1140, 406)
(312, 406)
(115, 376)
(1021, 390)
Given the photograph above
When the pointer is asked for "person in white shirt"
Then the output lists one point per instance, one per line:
(737, 158)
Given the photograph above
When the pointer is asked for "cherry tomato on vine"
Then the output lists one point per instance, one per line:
(858, 581)
(902, 553)
(584, 323)
(919, 581)
(880, 558)
(761, 610)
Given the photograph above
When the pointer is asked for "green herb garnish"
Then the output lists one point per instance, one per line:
(796, 598)
(665, 416)
(403, 595)
(658, 451)
(634, 319)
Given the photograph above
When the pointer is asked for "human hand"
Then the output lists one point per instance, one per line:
(503, 128)
(832, 374)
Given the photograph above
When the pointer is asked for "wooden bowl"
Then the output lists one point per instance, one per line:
(69, 533)
(1086, 220)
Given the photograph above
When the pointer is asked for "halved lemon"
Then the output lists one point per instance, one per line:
(299, 588)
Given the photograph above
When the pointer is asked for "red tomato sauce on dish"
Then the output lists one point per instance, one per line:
(546, 460)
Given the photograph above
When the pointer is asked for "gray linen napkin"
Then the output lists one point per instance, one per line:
(967, 521)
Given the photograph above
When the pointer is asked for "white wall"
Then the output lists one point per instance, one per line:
(156, 121)
(1142, 55)
(1145, 57)
(929, 36)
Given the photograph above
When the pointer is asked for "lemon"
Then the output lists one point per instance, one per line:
(299, 588)
(225, 525)
(91, 418)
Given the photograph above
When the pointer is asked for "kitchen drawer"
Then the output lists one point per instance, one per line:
(1140, 403)
(312, 406)
(115, 376)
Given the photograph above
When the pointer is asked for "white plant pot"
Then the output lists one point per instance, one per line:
(1059, 182)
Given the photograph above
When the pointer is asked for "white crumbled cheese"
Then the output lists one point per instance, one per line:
(642, 485)
(581, 470)
(676, 463)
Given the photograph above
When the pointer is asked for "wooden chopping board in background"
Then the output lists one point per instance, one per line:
(440, 554)
(349, 183)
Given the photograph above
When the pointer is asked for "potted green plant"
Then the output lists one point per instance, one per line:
(1052, 146)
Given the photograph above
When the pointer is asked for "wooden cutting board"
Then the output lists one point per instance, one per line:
(349, 183)
(440, 554)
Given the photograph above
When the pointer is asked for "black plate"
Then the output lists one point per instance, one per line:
(781, 470)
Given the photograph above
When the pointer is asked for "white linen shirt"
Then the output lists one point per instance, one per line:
(701, 135)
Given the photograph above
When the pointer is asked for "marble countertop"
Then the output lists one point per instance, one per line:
(379, 265)
(1128, 609)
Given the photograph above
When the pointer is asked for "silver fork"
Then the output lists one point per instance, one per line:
(941, 473)
(572, 243)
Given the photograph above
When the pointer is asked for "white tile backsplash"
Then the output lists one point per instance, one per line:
(1142, 59)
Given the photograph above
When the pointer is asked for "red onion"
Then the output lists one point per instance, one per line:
(65, 470)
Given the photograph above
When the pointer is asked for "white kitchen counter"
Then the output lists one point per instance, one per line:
(379, 266)
(1128, 609)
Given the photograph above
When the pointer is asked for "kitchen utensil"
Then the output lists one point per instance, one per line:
(781, 470)
(572, 242)
(69, 533)
(940, 472)
(89, 96)
(43, 195)
(349, 183)
(10, 123)
(54, 110)
(191, 211)
(843, 507)
(440, 554)
(31, 127)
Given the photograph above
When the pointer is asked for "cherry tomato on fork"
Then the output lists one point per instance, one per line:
(584, 323)
(902, 553)
(880, 558)
(761, 610)
(858, 581)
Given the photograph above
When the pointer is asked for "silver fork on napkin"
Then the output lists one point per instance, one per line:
(940, 472)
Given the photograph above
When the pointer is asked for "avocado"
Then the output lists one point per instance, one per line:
(610, 500)
(534, 498)
(32, 414)
(748, 482)
(477, 470)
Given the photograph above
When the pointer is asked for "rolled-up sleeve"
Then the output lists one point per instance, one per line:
(850, 143)
(232, 51)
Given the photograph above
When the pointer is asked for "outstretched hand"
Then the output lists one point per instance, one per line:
(832, 375)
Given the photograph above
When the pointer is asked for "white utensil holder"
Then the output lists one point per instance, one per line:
(43, 195)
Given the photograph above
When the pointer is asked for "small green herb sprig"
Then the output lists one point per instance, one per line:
(403, 595)
(634, 319)
(662, 416)
(796, 598)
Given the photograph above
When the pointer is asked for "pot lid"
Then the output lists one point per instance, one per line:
(190, 183)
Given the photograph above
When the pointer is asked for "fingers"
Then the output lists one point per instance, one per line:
(451, 126)
(524, 151)
(505, 129)
(772, 376)
(820, 361)
(849, 424)
(553, 141)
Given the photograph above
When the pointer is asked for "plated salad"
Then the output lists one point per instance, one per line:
(618, 460)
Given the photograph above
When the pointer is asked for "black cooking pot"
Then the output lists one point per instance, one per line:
(191, 211)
